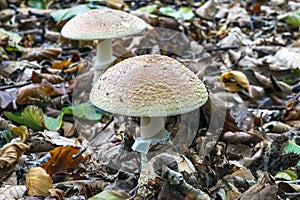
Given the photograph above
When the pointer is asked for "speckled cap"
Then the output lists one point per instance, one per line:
(149, 85)
(98, 24)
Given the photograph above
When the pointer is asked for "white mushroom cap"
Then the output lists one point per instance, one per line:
(149, 85)
(98, 24)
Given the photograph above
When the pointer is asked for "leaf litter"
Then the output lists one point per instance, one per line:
(245, 51)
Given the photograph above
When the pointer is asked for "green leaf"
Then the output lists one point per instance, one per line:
(184, 13)
(5, 137)
(288, 175)
(148, 9)
(291, 18)
(84, 110)
(32, 117)
(13, 42)
(87, 111)
(40, 4)
(65, 14)
(291, 147)
(111, 195)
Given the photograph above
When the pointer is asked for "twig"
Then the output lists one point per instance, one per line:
(14, 86)
(221, 49)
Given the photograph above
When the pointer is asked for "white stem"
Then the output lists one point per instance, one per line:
(104, 57)
(151, 126)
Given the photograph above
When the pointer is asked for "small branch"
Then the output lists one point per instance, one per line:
(14, 86)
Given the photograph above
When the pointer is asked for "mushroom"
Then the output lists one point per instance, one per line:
(151, 87)
(102, 25)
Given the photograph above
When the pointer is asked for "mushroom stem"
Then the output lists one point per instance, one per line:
(150, 126)
(104, 57)
(152, 132)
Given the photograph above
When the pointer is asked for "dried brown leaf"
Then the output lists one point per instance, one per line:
(62, 160)
(52, 78)
(12, 192)
(40, 54)
(38, 182)
(9, 157)
(6, 98)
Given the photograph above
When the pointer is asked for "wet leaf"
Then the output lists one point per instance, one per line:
(32, 117)
(62, 160)
(38, 182)
(111, 194)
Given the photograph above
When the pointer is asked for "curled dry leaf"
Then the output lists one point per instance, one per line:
(10, 154)
(29, 92)
(291, 112)
(40, 54)
(21, 131)
(56, 193)
(6, 99)
(276, 127)
(9, 157)
(12, 192)
(38, 182)
(51, 78)
(62, 160)
(235, 81)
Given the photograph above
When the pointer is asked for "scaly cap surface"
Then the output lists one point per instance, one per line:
(149, 85)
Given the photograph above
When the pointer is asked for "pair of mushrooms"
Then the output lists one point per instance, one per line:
(149, 86)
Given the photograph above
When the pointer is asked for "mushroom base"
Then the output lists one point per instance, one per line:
(142, 145)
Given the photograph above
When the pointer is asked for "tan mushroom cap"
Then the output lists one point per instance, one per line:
(98, 24)
(149, 85)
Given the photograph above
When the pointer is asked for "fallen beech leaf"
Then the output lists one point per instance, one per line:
(235, 81)
(6, 98)
(12, 192)
(111, 194)
(287, 174)
(56, 193)
(21, 131)
(276, 127)
(38, 182)
(29, 92)
(51, 78)
(115, 4)
(32, 116)
(9, 156)
(262, 190)
(40, 54)
(62, 160)
(61, 65)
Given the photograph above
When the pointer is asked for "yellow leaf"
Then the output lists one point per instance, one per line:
(21, 131)
(38, 182)
(235, 81)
